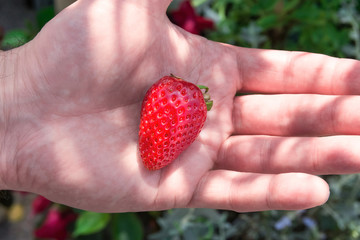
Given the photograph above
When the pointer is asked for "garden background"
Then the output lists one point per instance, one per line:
(320, 26)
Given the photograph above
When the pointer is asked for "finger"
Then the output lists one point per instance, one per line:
(273, 71)
(296, 114)
(245, 192)
(267, 154)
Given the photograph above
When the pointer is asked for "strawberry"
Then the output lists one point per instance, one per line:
(173, 113)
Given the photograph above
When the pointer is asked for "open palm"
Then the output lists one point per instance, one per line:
(90, 68)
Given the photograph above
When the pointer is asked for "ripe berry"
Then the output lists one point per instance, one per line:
(173, 113)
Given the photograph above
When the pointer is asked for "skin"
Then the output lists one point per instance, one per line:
(71, 107)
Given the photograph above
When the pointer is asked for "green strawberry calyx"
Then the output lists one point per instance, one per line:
(208, 101)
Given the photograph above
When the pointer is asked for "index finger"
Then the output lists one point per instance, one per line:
(276, 71)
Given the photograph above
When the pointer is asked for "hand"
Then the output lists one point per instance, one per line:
(78, 115)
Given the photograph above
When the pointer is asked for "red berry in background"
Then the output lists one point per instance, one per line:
(172, 115)
(2, 33)
(39, 204)
(187, 18)
(55, 225)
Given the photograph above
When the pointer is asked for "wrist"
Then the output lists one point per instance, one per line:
(10, 74)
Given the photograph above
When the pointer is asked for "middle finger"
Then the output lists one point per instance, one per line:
(296, 115)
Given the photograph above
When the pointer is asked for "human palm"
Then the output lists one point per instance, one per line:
(93, 76)
(91, 67)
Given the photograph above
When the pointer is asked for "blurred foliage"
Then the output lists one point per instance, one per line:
(116, 226)
(17, 37)
(194, 224)
(321, 26)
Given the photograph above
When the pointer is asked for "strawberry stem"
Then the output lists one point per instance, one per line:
(207, 98)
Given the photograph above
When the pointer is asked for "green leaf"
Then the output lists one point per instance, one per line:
(44, 15)
(90, 222)
(290, 5)
(94, 236)
(14, 38)
(268, 21)
(126, 226)
(197, 3)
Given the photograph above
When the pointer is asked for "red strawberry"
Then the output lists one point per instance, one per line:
(172, 115)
